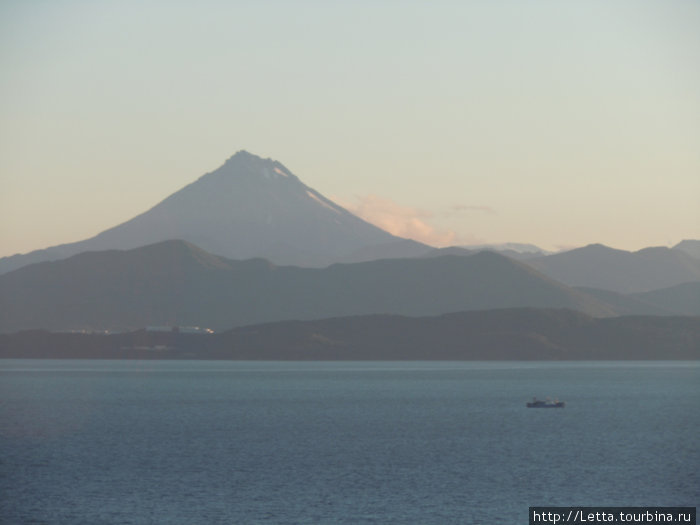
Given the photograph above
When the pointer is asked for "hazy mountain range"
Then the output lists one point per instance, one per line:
(598, 266)
(252, 207)
(250, 243)
(177, 283)
(515, 250)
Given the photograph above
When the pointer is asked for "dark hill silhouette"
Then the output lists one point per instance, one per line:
(511, 334)
(176, 283)
(504, 334)
(249, 207)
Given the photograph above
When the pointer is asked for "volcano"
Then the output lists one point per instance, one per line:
(249, 207)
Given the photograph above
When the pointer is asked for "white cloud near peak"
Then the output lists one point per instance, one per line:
(399, 220)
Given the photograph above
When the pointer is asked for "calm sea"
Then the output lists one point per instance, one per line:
(138, 442)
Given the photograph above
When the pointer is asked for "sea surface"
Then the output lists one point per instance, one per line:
(189, 442)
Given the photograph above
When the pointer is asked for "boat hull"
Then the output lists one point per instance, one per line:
(544, 404)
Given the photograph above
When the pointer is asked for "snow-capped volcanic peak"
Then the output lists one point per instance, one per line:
(248, 207)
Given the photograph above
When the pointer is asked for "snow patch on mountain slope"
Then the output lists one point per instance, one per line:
(324, 204)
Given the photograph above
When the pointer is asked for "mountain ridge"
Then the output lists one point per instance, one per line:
(599, 266)
(503, 334)
(177, 283)
(689, 246)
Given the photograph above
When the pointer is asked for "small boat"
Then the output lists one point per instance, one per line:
(547, 403)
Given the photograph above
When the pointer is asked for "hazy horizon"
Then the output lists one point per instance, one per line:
(553, 124)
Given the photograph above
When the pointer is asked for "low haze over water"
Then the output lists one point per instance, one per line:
(353, 442)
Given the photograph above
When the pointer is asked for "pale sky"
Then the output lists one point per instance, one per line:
(557, 123)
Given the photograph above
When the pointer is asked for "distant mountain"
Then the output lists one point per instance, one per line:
(391, 250)
(515, 250)
(682, 299)
(511, 334)
(176, 283)
(249, 207)
(450, 250)
(512, 250)
(629, 304)
(597, 266)
(691, 247)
